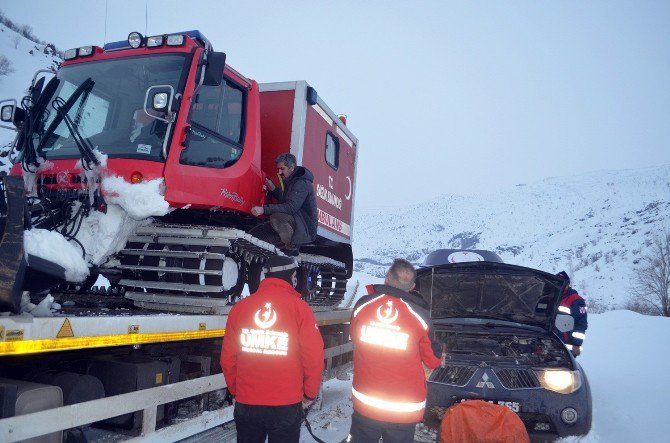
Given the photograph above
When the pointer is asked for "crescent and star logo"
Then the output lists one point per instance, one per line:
(265, 317)
(387, 314)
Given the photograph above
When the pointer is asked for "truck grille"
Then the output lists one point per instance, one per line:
(456, 375)
(517, 378)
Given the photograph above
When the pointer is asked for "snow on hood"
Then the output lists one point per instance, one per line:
(104, 234)
(30, 178)
(102, 158)
(140, 200)
(52, 246)
(101, 234)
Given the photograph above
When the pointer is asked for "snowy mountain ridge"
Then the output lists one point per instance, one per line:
(595, 226)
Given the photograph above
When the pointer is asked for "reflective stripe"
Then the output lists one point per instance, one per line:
(579, 335)
(564, 309)
(423, 323)
(392, 406)
(367, 303)
(568, 346)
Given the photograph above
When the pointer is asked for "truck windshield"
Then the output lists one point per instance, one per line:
(111, 114)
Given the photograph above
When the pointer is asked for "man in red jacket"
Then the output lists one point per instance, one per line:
(391, 344)
(272, 357)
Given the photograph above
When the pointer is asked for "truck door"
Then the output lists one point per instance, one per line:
(213, 168)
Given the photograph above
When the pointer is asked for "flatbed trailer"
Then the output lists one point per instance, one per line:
(196, 339)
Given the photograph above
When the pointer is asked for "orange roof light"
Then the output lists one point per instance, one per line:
(136, 177)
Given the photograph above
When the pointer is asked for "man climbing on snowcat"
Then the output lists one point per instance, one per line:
(294, 218)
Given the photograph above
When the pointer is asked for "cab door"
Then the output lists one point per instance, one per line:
(215, 166)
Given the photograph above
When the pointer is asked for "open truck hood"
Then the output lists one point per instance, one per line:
(490, 290)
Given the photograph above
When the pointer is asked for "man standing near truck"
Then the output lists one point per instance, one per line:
(574, 305)
(272, 357)
(294, 218)
(391, 346)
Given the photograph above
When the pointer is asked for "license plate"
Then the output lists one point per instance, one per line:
(513, 406)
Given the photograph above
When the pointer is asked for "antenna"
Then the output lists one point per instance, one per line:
(104, 41)
(146, 16)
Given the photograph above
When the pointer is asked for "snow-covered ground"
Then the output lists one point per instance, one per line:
(623, 356)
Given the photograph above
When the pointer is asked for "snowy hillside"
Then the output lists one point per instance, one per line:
(594, 226)
(25, 58)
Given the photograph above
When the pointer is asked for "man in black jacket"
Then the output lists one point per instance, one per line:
(294, 218)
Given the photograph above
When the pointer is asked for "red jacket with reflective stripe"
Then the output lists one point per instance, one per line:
(390, 335)
(272, 352)
(576, 304)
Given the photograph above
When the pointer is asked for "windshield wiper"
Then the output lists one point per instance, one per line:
(62, 108)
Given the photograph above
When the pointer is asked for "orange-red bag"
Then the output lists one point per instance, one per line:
(476, 421)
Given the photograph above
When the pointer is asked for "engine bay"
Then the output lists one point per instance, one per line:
(516, 349)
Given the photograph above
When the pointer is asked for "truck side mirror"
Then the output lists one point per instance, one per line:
(216, 62)
(564, 322)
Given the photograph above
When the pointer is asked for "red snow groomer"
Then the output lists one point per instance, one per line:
(168, 107)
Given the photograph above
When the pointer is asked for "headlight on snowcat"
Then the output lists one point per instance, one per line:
(155, 41)
(559, 380)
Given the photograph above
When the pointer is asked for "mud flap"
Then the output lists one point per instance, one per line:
(12, 259)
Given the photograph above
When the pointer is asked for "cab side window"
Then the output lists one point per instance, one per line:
(332, 150)
(217, 129)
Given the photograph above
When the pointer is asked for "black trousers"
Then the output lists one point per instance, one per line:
(278, 230)
(279, 424)
(367, 430)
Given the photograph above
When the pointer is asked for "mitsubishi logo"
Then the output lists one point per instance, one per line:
(485, 382)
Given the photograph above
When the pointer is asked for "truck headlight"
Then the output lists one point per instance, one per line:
(559, 380)
(70, 54)
(7, 113)
(175, 40)
(85, 51)
(155, 41)
(160, 102)
(135, 40)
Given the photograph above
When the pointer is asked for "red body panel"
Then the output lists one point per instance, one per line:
(334, 188)
(276, 121)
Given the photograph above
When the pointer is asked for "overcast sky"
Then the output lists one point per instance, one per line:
(444, 96)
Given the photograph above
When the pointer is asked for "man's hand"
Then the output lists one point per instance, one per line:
(306, 402)
(257, 211)
(427, 371)
(269, 185)
(576, 350)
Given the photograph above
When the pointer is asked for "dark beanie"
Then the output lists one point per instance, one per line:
(564, 276)
(280, 267)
